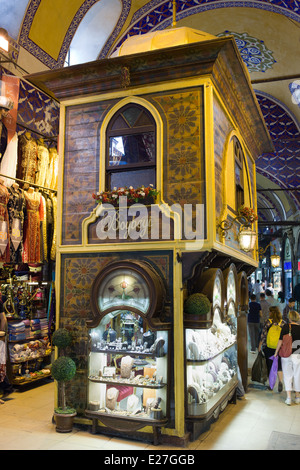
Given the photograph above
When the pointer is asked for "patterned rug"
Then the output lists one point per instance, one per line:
(283, 441)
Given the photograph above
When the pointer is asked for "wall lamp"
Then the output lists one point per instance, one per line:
(246, 236)
(275, 259)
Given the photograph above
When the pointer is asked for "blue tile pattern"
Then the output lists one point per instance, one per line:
(282, 166)
(157, 15)
(37, 111)
(255, 54)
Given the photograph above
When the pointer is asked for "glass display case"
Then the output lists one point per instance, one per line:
(129, 349)
(128, 368)
(211, 352)
(211, 372)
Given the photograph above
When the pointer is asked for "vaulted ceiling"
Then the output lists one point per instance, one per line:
(48, 34)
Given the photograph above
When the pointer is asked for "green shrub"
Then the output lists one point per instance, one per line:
(61, 338)
(197, 304)
(67, 411)
(63, 369)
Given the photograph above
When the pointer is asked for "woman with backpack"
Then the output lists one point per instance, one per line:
(269, 339)
(291, 364)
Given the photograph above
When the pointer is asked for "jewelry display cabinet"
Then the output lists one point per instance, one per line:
(129, 353)
(211, 358)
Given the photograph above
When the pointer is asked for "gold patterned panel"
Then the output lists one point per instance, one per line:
(81, 166)
(80, 271)
(183, 159)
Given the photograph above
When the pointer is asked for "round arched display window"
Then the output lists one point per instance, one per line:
(126, 288)
(127, 285)
(211, 283)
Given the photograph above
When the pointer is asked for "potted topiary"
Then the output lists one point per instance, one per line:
(63, 369)
(197, 308)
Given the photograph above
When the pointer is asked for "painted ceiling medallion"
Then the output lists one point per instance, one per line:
(253, 51)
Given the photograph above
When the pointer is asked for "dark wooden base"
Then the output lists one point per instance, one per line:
(124, 424)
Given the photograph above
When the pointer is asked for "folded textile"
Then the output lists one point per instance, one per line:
(15, 326)
(16, 337)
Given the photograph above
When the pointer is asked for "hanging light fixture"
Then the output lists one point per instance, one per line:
(247, 238)
(4, 43)
(275, 258)
(275, 261)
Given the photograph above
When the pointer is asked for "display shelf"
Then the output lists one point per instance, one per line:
(120, 381)
(203, 361)
(26, 380)
(207, 380)
(211, 366)
(125, 352)
(200, 410)
(128, 379)
(31, 359)
(30, 338)
(28, 355)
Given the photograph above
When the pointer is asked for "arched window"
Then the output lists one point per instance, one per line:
(131, 148)
(239, 174)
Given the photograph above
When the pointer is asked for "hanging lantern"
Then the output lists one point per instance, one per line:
(275, 261)
(247, 239)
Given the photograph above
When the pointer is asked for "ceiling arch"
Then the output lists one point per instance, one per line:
(267, 210)
(93, 30)
(159, 15)
(47, 33)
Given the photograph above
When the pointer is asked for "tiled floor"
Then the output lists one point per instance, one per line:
(26, 423)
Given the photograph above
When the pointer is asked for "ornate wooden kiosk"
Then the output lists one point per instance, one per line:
(191, 115)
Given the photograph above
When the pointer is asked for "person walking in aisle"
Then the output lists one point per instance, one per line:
(270, 287)
(270, 299)
(254, 316)
(269, 339)
(281, 302)
(257, 289)
(289, 306)
(264, 308)
(291, 364)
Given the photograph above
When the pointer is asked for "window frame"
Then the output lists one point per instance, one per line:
(239, 161)
(131, 130)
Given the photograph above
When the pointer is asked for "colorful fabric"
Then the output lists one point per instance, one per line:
(2, 360)
(4, 224)
(32, 239)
